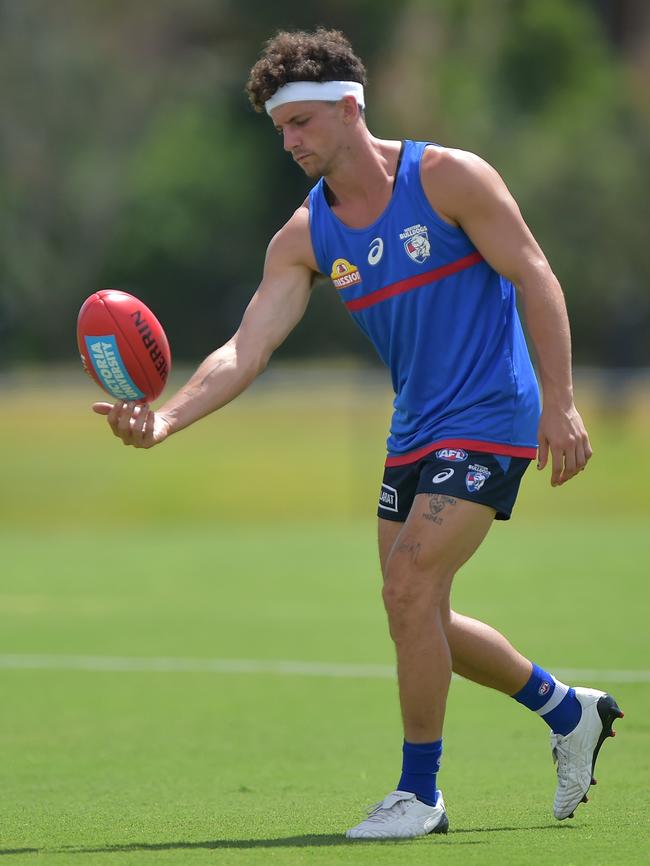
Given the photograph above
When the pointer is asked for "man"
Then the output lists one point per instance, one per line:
(425, 246)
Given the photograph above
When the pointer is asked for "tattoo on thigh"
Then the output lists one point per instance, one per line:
(437, 504)
(410, 547)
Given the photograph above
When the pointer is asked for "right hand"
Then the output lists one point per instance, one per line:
(562, 434)
(135, 423)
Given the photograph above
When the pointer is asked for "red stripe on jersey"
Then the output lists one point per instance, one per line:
(468, 445)
(413, 282)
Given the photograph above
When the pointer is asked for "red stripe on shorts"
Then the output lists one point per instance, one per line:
(468, 445)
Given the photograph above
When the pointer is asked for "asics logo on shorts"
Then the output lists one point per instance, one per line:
(443, 476)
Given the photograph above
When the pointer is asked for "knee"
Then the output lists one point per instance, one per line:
(414, 597)
(401, 596)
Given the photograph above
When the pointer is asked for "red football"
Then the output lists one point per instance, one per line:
(123, 346)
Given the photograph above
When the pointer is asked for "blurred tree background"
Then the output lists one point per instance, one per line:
(131, 158)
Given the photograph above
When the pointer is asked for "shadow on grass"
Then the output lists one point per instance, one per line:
(309, 841)
(511, 829)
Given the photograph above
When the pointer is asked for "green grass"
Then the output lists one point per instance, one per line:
(251, 536)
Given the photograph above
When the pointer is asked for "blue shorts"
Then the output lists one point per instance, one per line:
(489, 479)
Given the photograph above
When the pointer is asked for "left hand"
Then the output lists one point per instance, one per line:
(563, 434)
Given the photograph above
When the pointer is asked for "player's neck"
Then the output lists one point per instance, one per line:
(361, 183)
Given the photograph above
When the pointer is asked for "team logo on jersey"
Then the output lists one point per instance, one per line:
(416, 243)
(452, 455)
(345, 274)
(388, 498)
(476, 477)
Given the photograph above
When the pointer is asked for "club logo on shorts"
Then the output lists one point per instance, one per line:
(443, 476)
(452, 455)
(388, 498)
(416, 243)
(344, 274)
(476, 477)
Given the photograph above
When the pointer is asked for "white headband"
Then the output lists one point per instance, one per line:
(323, 91)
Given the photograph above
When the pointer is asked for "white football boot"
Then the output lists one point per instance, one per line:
(575, 753)
(400, 815)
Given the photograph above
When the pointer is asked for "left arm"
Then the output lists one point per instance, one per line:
(467, 192)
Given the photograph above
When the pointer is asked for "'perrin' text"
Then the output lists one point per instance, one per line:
(150, 344)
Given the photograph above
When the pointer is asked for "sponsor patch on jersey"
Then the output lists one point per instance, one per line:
(388, 498)
(476, 477)
(416, 243)
(443, 476)
(452, 455)
(344, 274)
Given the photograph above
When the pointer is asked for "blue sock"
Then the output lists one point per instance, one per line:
(420, 764)
(552, 700)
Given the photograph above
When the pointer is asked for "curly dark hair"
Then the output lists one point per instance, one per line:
(324, 55)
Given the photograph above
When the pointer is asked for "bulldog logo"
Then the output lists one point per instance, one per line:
(476, 477)
(416, 243)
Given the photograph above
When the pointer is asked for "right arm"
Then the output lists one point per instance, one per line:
(276, 308)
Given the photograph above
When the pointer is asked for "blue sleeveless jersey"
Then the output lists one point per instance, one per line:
(442, 320)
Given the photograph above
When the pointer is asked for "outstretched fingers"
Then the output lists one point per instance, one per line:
(129, 422)
(135, 424)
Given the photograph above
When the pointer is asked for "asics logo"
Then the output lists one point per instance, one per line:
(376, 251)
(442, 476)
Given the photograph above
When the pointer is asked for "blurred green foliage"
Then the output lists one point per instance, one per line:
(298, 445)
(131, 158)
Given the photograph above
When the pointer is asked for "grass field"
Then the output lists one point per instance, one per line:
(133, 584)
